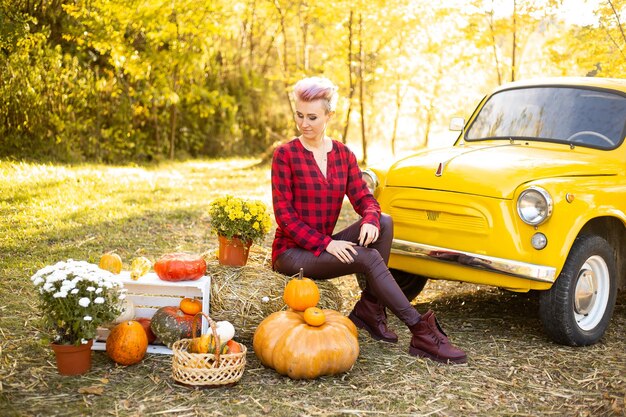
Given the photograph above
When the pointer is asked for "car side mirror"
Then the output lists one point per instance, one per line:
(457, 124)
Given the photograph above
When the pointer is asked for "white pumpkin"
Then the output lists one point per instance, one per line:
(225, 330)
(128, 311)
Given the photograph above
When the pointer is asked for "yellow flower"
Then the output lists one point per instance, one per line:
(233, 216)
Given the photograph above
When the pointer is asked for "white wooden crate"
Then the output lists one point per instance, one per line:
(149, 293)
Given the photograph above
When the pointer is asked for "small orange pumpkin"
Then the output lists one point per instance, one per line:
(301, 293)
(111, 262)
(190, 306)
(233, 347)
(127, 343)
(314, 316)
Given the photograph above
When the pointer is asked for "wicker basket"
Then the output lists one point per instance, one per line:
(206, 370)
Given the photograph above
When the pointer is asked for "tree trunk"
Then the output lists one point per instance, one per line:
(346, 126)
(494, 45)
(172, 130)
(362, 89)
(399, 100)
(430, 113)
(514, 46)
(283, 29)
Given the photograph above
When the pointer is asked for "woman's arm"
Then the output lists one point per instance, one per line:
(359, 195)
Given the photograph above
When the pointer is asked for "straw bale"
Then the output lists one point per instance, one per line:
(246, 295)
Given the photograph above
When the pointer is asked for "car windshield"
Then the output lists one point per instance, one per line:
(579, 116)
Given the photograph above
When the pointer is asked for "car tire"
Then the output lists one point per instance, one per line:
(410, 284)
(577, 310)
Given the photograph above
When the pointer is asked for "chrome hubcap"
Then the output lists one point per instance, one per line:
(591, 293)
(586, 292)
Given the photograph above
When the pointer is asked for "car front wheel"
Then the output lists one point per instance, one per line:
(577, 309)
(410, 284)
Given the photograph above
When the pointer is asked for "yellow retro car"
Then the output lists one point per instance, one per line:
(531, 196)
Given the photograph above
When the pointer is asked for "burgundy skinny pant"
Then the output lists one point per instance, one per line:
(370, 261)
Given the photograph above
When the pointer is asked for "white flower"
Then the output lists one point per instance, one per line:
(99, 290)
(87, 318)
(59, 294)
(74, 291)
(99, 300)
(84, 341)
(84, 302)
(265, 299)
(91, 289)
(37, 280)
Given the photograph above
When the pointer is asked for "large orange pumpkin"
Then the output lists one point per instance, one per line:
(285, 342)
(301, 293)
(127, 343)
(180, 267)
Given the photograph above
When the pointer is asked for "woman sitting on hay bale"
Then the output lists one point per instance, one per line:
(311, 174)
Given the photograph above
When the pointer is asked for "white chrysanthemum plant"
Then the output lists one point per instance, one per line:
(75, 297)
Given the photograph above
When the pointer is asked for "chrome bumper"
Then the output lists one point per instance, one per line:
(505, 266)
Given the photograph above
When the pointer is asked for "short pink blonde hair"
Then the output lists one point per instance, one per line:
(317, 88)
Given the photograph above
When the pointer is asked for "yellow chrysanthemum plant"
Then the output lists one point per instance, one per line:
(248, 220)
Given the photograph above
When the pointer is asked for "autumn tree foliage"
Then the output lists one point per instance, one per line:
(144, 80)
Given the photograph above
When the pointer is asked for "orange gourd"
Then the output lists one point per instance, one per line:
(314, 316)
(301, 293)
(111, 262)
(190, 306)
(285, 342)
(127, 343)
(233, 347)
(180, 267)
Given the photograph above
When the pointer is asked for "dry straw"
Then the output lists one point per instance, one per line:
(245, 296)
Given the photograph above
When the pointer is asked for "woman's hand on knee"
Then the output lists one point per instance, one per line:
(369, 234)
(341, 249)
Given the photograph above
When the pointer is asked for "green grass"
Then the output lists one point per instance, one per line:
(54, 212)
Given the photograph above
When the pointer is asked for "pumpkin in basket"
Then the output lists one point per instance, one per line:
(170, 324)
(285, 342)
(206, 342)
(127, 343)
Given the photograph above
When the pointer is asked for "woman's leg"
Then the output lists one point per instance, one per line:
(428, 339)
(369, 261)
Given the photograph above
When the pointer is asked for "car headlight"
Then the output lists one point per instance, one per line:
(534, 206)
(371, 180)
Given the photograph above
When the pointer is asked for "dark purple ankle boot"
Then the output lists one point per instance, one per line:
(429, 341)
(371, 316)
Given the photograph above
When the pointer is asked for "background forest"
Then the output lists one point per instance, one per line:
(147, 80)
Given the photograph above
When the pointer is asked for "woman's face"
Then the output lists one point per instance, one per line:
(311, 118)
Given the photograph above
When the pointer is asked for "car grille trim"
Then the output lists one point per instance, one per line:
(529, 271)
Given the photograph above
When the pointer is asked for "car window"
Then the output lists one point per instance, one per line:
(583, 117)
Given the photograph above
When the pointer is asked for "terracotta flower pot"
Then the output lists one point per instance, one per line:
(73, 360)
(233, 252)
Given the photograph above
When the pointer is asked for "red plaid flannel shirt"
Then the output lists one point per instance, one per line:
(307, 205)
